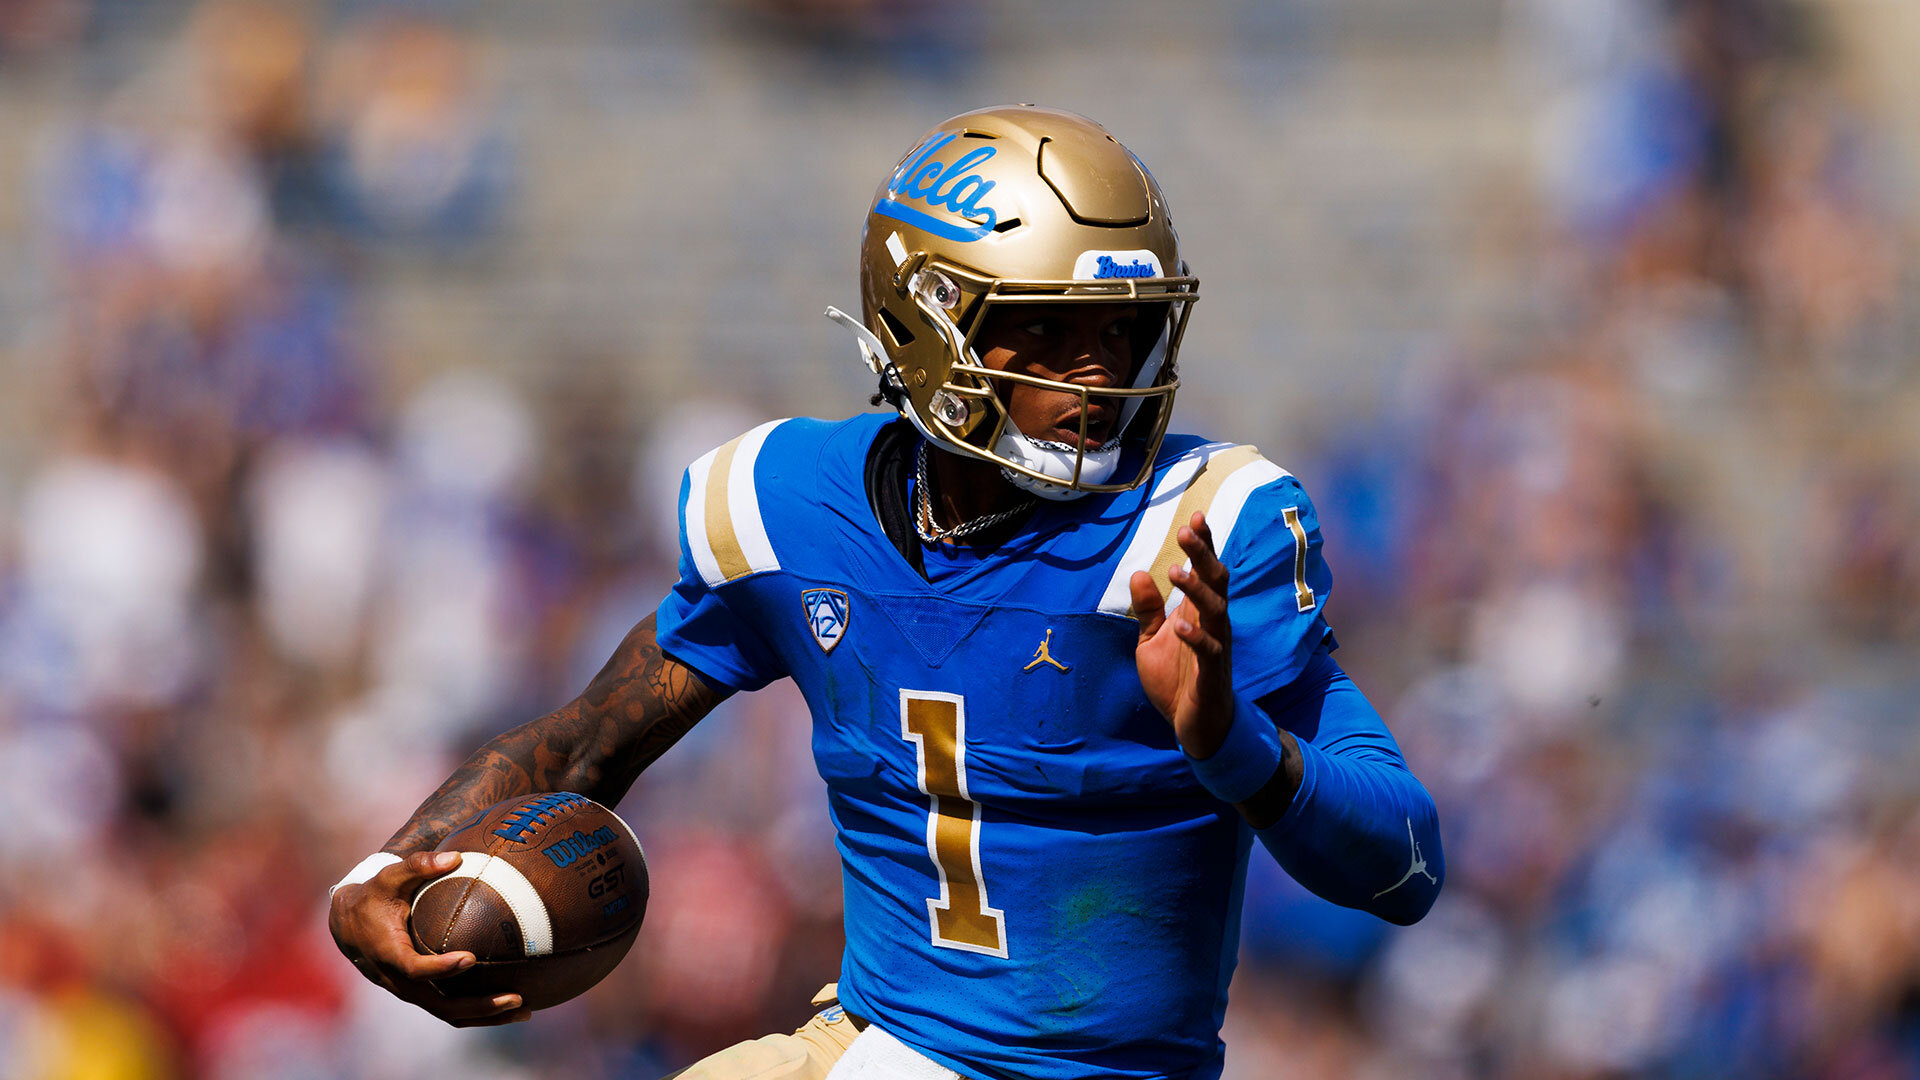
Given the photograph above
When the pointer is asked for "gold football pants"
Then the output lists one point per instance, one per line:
(807, 1054)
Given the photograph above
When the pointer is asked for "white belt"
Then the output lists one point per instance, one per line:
(876, 1055)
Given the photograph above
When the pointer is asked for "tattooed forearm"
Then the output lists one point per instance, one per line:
(484, 779)
(640, 704)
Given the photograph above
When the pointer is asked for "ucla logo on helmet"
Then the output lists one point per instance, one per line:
(925, 181)
(827, 611)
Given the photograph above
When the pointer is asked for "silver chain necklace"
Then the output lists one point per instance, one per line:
(923, 510)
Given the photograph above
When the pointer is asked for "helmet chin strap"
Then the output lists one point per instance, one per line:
(872, 353)
(1156, 358)
(875, 356)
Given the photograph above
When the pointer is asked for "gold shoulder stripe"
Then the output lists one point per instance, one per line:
(720, 535)
(1198, 496)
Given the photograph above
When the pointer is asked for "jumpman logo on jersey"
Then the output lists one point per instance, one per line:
(1419, 866)
(1043, 655)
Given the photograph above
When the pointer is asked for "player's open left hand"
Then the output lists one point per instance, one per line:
(369, 923)
(1185, 655)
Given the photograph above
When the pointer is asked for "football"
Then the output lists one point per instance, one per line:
(548, 897)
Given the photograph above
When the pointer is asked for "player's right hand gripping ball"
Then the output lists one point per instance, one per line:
(548, 897)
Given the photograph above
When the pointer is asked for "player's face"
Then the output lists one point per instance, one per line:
(1091, 345)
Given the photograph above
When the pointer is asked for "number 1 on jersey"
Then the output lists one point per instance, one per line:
(936, 724)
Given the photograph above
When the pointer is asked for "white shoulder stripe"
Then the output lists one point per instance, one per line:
(743, 499)
(1154, 522)
(694, 519)
(1224, 511)
(1232, 497)
(726, 533)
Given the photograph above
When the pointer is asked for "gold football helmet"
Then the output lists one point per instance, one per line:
(1018, 205)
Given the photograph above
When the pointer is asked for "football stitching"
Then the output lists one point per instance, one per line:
(459, 905)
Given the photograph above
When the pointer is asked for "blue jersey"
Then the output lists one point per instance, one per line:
(1036, 884)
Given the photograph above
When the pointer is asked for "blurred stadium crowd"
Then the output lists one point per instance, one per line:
(1619, 479)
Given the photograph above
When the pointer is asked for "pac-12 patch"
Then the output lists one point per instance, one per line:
(827, 612)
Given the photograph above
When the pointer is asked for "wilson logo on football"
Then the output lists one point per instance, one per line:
(952, 186)
(581, 844)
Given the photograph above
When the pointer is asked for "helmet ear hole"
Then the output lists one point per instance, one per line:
(897, 330)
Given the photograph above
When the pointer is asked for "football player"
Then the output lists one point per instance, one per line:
(1065, 669)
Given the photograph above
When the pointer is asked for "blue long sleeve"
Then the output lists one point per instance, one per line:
(1361, 830)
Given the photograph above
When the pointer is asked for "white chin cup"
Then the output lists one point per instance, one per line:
(1054, 459)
